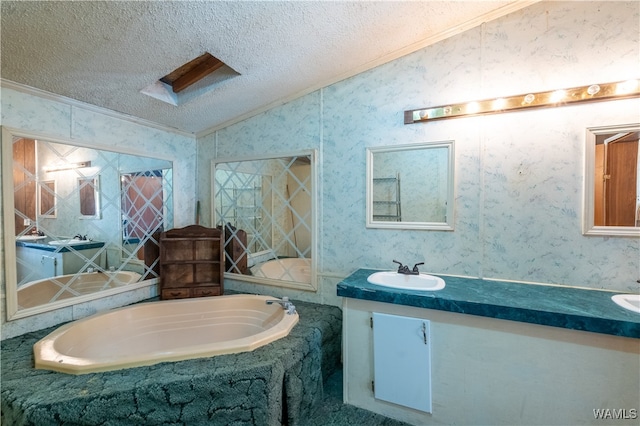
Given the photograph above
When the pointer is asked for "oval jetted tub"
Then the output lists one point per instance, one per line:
(172, 330)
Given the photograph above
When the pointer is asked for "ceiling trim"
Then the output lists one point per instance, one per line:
(453, 31)
(19, 87)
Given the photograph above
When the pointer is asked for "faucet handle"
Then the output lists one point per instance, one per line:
(415, 267)
(400, 267)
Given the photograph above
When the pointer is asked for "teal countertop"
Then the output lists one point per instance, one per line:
(60, 248)
(556, 306)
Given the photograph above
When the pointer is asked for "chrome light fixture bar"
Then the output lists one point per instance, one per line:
(69, 166)
(553, 98)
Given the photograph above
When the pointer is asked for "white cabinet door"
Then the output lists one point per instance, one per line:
(402, 361)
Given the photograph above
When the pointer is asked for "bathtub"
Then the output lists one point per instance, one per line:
(40, 292)
(170, 330)
(288, 269)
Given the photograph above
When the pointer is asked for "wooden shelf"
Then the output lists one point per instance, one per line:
(191, 262)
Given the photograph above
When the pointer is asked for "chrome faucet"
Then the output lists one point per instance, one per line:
(286, 305)
(80, 237)
(404, 269)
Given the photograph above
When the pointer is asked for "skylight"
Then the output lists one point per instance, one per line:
(190, 80)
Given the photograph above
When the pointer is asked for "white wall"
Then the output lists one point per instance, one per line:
(61, 119)
(518, 175)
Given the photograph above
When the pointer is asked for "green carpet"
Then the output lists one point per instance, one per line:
(332, 412)
(281, 383)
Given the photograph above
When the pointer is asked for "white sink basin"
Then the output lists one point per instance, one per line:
(69, 242)
(406, 282)
(31, 238)
(628, 301)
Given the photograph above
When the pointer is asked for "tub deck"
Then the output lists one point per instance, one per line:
(280, 383)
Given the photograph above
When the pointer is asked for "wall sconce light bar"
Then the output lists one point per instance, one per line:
(69, 166)
(553, 98)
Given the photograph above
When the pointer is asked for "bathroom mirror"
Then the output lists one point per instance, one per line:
(89, 194)
(611, 199)
(54, 256)
(47, 199)
(266, 208)
(411, 186)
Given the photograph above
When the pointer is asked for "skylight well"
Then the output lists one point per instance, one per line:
(190, 80)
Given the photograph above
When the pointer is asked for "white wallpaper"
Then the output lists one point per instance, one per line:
(518, 175)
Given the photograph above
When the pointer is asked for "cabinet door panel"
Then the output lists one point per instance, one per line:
(402, 360)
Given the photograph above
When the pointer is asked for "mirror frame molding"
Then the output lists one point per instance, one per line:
(313, 285)
(448, 225)
(11, 297)
(588, 196)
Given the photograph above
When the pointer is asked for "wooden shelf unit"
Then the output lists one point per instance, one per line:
(191, 262)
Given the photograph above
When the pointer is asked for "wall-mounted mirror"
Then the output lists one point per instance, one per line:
(611, 181)
(89, 192)
(411, 186)
(53, 256)
(47, 199)
(266, 207)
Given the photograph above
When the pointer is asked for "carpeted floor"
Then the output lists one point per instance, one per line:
(334, 413)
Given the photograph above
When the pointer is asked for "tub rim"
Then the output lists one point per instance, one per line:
(47, 357)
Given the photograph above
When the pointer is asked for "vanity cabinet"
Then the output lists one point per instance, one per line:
(191, 262)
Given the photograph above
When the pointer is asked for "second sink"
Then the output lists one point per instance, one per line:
(628, 301)
(69, 242)
(406, 282)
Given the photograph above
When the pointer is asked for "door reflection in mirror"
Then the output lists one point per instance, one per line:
(47, 198)
(89, 194)
(611, 195)
(265, 208)
(617, 187)
(143, 201)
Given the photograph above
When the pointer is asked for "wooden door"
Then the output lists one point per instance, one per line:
(620, 183)
(24, 182)
(143, 206)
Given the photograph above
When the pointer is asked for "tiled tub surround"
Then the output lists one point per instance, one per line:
(502, 353)
(556, 306)
(275, 384)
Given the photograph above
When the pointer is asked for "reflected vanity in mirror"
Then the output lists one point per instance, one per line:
(411, 186)
(55, 257)
(266, 208)
(611, 182)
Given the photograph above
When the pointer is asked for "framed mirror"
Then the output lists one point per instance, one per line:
(266, 208)
(54, 257)
(89, 195)
(611, 199)
(411, 186)
(47, 199)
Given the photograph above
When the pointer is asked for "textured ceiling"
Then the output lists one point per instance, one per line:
(104, 53)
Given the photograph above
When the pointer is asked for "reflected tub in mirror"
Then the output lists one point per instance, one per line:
(41, 292)
(266, 207)
(53, 186)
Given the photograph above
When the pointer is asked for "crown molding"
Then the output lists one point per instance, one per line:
(19, 87)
